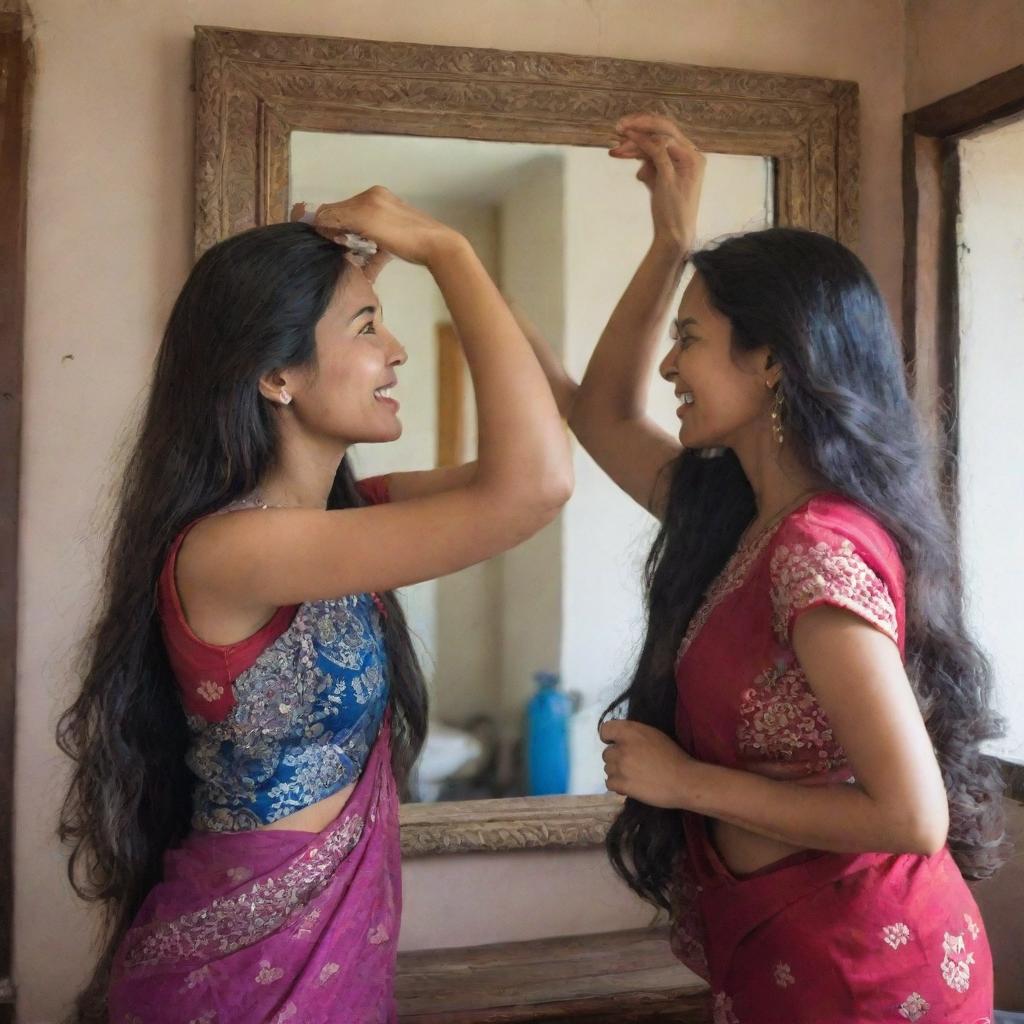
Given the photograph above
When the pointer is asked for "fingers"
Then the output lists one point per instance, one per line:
(613, 778)
(611, 730)
(656, 124)
(655, 148)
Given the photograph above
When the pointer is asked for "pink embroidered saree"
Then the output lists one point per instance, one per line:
(842, 938)
(273, 925)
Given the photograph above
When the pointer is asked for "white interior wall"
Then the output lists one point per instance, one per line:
(991, 384)
(533, 274)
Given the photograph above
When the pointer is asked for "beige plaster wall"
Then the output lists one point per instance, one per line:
(952, 44)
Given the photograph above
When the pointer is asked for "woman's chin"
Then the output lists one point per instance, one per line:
(386, 434)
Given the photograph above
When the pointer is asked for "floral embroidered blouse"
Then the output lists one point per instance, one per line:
(842, 937)
(743, 699)
(286, 717)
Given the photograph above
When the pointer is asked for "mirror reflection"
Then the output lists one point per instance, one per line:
(523, 652)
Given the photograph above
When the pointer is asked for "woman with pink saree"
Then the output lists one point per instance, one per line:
(252, 703)
(800, 747)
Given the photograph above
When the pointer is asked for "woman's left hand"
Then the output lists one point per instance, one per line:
(643, 763)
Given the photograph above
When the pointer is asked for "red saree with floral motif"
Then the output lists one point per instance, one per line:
(817, 936)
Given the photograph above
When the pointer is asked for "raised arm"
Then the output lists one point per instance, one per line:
(267, 558)
(609, 413)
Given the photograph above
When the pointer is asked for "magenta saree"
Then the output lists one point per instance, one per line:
(273, 925)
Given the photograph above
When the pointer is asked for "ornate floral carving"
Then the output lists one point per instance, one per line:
(473, 826)
(254, 88)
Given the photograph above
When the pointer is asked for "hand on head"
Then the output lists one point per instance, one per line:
(397, 228)
(671, 167)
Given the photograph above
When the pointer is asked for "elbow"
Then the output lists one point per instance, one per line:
(554, 489)
(929, 841)
(925, 833)
(566, 400)
(551, 483)
(582, 409)
(575, 419)
(530, 502)
(545, 499)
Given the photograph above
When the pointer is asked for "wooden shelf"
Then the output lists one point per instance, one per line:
(628, 976)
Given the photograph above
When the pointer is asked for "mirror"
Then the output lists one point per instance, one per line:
(317, 117)
(561, 230)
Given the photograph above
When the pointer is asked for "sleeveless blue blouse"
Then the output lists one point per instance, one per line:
(304, 717)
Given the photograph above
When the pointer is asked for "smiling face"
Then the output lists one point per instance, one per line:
(346, 395)
(721, 388)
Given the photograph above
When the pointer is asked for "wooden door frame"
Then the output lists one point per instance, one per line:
(931, 300)
(931, 206)
(15, 76)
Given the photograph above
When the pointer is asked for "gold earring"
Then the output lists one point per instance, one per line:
(778, 404)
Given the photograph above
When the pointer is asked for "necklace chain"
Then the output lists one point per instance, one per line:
(747, 537)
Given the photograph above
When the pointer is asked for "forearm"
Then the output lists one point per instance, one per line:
(615, 384)
(841, 817)
(519, 429)
(563, 387)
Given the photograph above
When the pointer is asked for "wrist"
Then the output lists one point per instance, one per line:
(699, 792)
(668, 248)
(448, 245)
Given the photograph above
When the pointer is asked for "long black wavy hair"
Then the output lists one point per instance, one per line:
(250, 305)
(848, 411)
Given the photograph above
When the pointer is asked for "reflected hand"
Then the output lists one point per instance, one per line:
(671, 167)
(398, 228)
(643, 763)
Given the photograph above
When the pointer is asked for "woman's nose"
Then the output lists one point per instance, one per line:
(398, 354)
(667, 369)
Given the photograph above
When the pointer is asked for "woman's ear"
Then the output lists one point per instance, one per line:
(274, 387)
(772, 370)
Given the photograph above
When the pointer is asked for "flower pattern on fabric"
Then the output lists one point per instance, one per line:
(378, 935)
(268, 974)
(304, 719)
(804, 575)
(305, 928)
(972, 927)
(210, 690)
(956, 963)
(784, 976)
(722, 1010)
(198, 976)
(327, 972)
(231, 922)
(914, 1007)
(780, 719)
(686, 935)
(896, 935)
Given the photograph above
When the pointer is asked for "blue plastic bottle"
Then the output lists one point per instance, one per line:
(547, 738)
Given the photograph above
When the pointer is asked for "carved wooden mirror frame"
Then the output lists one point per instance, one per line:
(254, 88)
